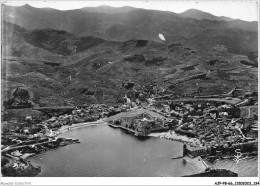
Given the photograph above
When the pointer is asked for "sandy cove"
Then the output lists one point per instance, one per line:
(79, 125)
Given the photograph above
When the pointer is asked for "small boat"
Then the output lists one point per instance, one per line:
(63, 144)
(76, 140)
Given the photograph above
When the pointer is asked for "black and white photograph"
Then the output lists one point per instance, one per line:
(129, 89)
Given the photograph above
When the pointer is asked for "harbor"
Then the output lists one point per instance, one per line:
(146, 124)
(123, 154)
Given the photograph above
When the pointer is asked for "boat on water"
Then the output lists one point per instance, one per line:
(63, 143)
(76, 140)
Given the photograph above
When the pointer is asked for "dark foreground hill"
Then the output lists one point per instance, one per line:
(60, 68)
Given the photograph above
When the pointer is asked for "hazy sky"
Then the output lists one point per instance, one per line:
(247, 11)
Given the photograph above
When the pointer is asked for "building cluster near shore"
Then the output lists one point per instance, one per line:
(32, 136)
(141, 124)
(222, 128)
(215, 124)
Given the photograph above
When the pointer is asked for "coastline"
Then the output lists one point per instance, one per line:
(197, 163)
(245, 168)
(95, 139)
(79, 125)
(33, 170)
(171, 135)
(121, 127)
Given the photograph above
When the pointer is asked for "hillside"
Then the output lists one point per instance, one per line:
(69, 69)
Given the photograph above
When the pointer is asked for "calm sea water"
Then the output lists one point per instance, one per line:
(105, 152)
(244, 168)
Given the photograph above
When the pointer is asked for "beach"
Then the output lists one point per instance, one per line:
(171, 135)
(79, 125)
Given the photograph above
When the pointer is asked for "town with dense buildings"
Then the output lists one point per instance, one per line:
(214, 128)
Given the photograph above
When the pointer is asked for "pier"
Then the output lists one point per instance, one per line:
(178, 157)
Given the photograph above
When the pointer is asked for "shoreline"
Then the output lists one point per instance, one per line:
(34, 170)
(66, 128)
(197, 163)
(245, 168)
(124, 128)
(172, 136)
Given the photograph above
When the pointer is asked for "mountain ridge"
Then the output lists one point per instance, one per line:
(139, 24)
(71, 55)
(198, 14)
(190, 13)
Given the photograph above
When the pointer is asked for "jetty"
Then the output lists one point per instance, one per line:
(178, 157)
